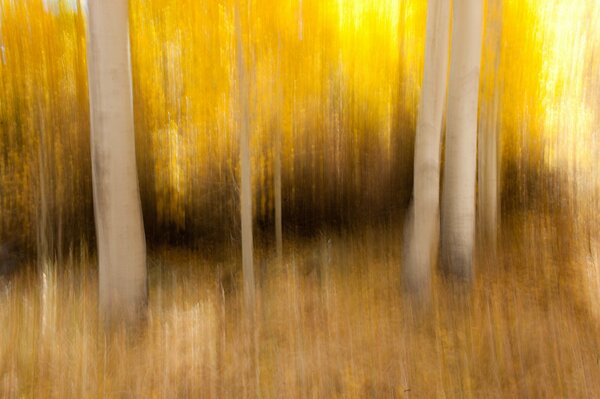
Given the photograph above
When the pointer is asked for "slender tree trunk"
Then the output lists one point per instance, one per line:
(43, 247)
(246, 178)
(253, 375)
(300, 21)
(458, 196)
(118, 214)
(277, 188)
(278, 131)
(487, 171)
(422, 226)
(488, 142)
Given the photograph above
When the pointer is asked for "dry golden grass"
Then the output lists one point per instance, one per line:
(332, 322)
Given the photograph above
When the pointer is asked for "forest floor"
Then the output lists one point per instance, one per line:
(332, 321)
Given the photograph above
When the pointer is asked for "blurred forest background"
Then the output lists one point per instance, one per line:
(339, 81)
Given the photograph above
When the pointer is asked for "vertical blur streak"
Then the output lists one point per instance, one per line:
(246, 189)
(278, 133)
(488, 128)
(249, 317)
(460, 163)
(421, 240)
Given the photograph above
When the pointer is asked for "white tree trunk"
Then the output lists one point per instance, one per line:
(277, 188)
(246, 178)
(118, 214)
(422, 226)
(278, 131)
(487, 171)
(458, 196)
(488, 158)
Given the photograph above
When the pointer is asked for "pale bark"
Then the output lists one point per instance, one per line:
(246, 178)
(422, 226)
(300, 21)
(487, 171)
(277, 161)
(43, 247)
(117, 209)
(488, 143)
(458, 196)
(277, 188)
(253, 369)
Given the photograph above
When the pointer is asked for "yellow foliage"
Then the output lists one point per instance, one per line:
(339, 80)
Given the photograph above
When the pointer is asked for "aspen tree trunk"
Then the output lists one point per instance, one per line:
(43, 246)
(246, 178)
(277, 160)
(117, 209)
(300, 21)
(277, 188)
(253, 374)
(488, 143)
(458, 196)
(422, 226)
